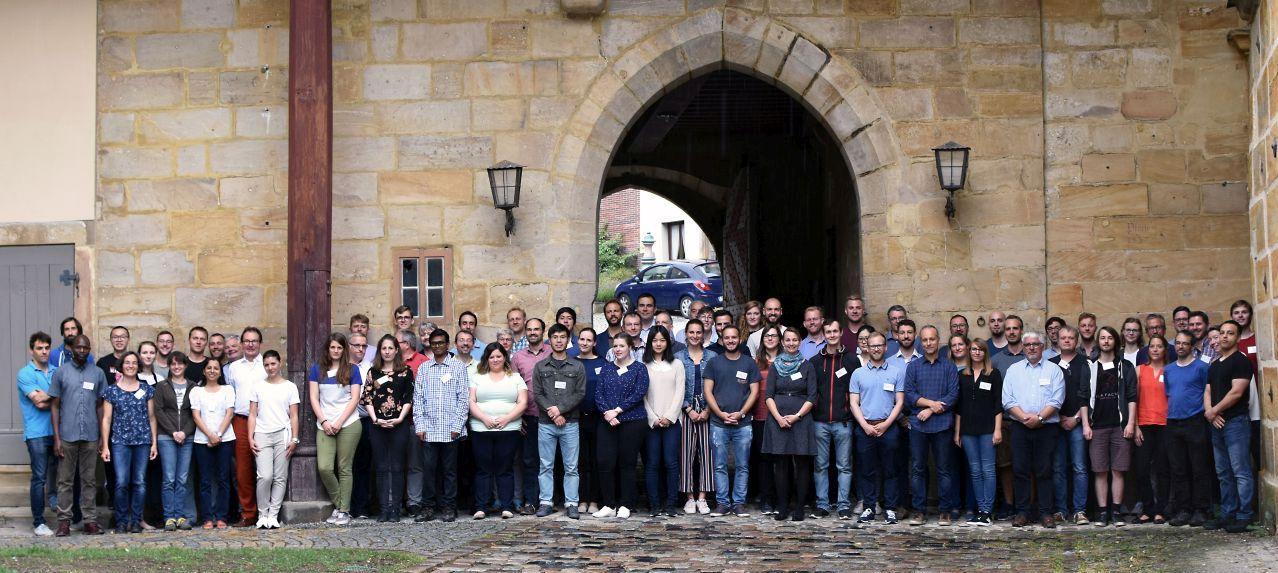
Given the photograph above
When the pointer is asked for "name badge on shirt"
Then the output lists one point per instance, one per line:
(87, 385)
(985, 385)
(384, 379)
(597, 369)
(1205, 359)
(741, 375)
(1044, 381)
(139, 394)
(796, 376)
(1107, 365)
(1251, 350)
(840, 372)
(560, 385)
(1160, 378)
(889, 387)
(446, 378)
(622, 370)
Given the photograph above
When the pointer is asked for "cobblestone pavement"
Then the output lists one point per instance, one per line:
(741, 544)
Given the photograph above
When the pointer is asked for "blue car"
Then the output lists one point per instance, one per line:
(675, 284)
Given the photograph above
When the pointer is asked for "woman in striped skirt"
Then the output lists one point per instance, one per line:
(696, 467)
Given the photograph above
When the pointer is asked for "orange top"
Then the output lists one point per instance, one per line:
(1151, 402)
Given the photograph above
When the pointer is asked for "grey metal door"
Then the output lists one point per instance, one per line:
(34, 295)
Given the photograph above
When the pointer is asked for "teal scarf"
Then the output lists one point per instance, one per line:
(787, 364)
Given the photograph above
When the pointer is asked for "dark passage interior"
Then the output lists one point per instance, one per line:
(762, 177)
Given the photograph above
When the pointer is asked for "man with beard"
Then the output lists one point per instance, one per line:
(958, 327)
(998, 336)
(1087, 336)
(70, 329)
(854, 312)
(1013, 352)
(612, 311)
(896, 313)
(771, 317)
(1199, 324)
(163, 347)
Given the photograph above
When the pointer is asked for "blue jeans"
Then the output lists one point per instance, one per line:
(738, 439)
(568, 439)
(175, 463)
(1071, 458)
(130, 481)
(41, 451)
(877, 456)
(661, 449)
(841, 434)
(940, 444)
(215, 465)
(1232, 448)
(980, 468)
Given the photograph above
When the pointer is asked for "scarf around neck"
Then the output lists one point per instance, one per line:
(787, 363)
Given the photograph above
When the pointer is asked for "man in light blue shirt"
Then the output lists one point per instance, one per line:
(37, 424)
(906, 351)
(814, 342)
(877, 396)
(1033, 391)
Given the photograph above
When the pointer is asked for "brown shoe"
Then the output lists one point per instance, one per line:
(64, 528)
(244, 523)
(92, 528)
(1048, 523)
(1020, 521)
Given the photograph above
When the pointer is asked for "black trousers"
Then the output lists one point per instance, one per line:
(439, 463)
(1191, 471)
(617, 449)
(1152, 480)
(388, 449)
(1032, 454)
(793, 474)
(588, 484)
(761, 465)
(361, 486)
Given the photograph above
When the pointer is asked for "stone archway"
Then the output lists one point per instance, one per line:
(828, 87)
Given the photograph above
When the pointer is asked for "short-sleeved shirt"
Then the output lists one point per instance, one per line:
(36, 423)
(130, 424)
(212, 407)
(195, 370)
(273, 402)
(732, 380)
(78, 390)
(333, 397)
(497, 398)
(1185, 385)
(877, 387)
(1220, 376)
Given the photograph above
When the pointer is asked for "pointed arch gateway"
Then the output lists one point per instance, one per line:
(828, 88)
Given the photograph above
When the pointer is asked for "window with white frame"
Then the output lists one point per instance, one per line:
(424, 281)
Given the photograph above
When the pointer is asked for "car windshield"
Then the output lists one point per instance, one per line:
(710, 269)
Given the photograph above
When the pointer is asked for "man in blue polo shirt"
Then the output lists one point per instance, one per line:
(877, 397)
(37, 423)
(1187, 447)
(931, 389)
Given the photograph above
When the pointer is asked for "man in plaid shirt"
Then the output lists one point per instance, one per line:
(441, 402)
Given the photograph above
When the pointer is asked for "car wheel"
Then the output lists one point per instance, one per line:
(685, 306)
(624, 299)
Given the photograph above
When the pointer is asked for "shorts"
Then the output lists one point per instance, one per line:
(1003, 451)
(1109, 450)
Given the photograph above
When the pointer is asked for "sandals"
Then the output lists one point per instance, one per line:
(1143, 519)
(1159, 520)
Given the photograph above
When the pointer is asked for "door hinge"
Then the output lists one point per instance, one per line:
(70, 278)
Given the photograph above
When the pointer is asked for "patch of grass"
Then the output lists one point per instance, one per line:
(608, 281)
(178, 560)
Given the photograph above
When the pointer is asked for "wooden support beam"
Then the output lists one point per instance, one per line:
(310, 213)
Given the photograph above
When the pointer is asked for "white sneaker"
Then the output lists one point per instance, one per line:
(623, 512)
(342, 519)
(605, 512)
(479, 515)
(703, 507)
(263, 522)
(690, 507)
(506, 514)
(275, 523)
(333, 518)
(43, 530)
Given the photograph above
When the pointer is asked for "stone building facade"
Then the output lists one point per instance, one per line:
(1109, 140)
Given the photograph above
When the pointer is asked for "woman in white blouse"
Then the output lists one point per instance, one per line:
(663, 403)
(213, 407)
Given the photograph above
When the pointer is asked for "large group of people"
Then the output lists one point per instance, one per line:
(1077, 424)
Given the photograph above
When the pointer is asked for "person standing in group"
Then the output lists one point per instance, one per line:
(1187, 445)
(70, 328)
(334, 388)
(440, 403)
(525, 360)
(361, 504)
(559, 385)
(498, 397)
(197, 340)
(998, 335)
(978, 426)
(467, 322)
(696, 467)
(1052, 349)
(110, 362)
(388, 399)
(244, 375)
(1133, 340)
(148, 370)
(622, 387)
(854, 312)
(153, 508)
(1111, 426)
(1033, 390)
(588, 421)
(1087, 345)
(164, 348)
(1072, 478)
(37, 424)
(763, 490)
(772, 313)
(567, 316)
(931, 389)
(516, 321)
(1151, 477)
(408, 350)
(789, 434)
(958, 351)
(76, 387)
(732, 386)
(128, 438)
(506, 338)
(751, 321)
(1228, 377)
(877, 398)
(212, 409)
(663, 401)
(176, 425)
(613, 312)
(831, 417)
(274, 432)
(814, 342)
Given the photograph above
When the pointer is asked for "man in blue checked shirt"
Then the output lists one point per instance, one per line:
(1033, 391)
(931, 389)
(441, 403)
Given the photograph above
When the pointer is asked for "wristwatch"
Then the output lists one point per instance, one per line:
(1040, 419)
(296, 441)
